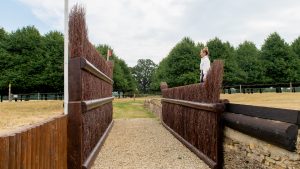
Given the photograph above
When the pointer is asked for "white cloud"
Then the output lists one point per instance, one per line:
(50, 12)
(149, 29)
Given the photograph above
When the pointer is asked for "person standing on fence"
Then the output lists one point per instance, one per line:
(204, 64)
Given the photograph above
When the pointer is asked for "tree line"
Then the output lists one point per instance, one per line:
(32, 62)
(276, 62)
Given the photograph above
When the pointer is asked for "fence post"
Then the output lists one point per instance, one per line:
(75, 154)
(9, 92)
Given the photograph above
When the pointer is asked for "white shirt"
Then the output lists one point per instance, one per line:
(204, 66)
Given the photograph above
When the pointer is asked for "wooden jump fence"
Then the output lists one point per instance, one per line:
(90, 95)
(42, 145)
(192, 113)
(273, 125)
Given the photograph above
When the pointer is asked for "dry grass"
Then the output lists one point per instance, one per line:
(14, 115)
(278, 100)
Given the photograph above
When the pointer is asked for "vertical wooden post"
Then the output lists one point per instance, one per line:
(9, 92)
(75, 154)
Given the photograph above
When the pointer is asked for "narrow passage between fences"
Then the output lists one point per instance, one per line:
(144, 143)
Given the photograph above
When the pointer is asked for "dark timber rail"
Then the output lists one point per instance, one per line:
(274, 125)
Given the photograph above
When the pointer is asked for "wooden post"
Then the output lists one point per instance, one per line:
(291, 87)
(9, 92)
(240, 88)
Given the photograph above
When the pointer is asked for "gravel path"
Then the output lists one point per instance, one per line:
(144, 143)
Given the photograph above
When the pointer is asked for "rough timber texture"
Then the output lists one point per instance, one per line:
(198, 127)
(208, 92)
(86, 129)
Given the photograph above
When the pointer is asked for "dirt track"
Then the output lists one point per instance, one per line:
(144, 143)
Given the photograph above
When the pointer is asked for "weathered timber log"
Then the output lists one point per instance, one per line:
(284, 115)
(279, 133)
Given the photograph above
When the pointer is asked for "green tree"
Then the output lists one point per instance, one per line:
(143, 73)
(26, 48)
(296, 49)
(279, 60)
(159, 75)
(182, 64)
(53, 74)
(248, 58)
(122, 75)
(31, 62)
(296, 46)
(233, 74)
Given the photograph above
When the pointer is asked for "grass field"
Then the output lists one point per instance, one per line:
(14, 115)
(278, 100)
(128, 108)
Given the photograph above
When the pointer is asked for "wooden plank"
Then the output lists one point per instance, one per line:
(75, 91)
(24, 149)
(89, 67)
(55, 145)
(212, 107)
(75, 152)
(18, 150)
(47, 146)
(93, 155)
(212, 164)
(12, 151)
(284, 115)
(59, 135)
(43, 145)
(52, 160)
(52, 144)
(279, 133)
(4, 152)
(38, 147)
(29, 148)
(33, 147)
(65, 142)
(92, 104)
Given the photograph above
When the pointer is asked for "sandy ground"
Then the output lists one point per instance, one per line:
(278, 100)
(16, 115)
(144, 143)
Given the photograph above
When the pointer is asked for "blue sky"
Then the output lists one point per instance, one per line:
(149, 29)
(14, 14)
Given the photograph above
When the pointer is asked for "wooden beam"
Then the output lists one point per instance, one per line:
(212, 107)
(212, 164)
(284, 115)
(92, 104)
(279, 133)
(89, 67)
(93, 155)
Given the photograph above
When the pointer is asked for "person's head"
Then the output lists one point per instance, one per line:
(204, 52)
